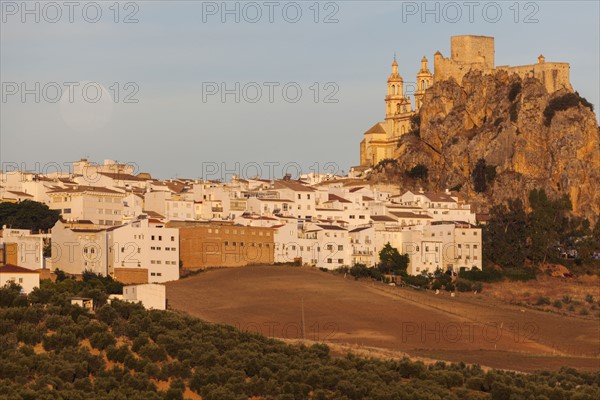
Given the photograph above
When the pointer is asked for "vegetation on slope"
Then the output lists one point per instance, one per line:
(28, 215)
(50, 349)
(514, 237)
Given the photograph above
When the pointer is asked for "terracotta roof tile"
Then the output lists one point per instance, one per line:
(14, 269)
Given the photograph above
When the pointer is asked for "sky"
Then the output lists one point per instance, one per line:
(199, 89)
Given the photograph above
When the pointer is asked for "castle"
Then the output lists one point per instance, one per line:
(466, 53)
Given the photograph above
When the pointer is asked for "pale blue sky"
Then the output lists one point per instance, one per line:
(170, 53)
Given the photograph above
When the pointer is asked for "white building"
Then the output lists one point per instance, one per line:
(100, 205)
(76, 249)
(320, 245)
(152, 296)
(30, 246)
(26, 278)
(147, 244)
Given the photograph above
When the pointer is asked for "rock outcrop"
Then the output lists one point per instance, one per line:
(500, 118)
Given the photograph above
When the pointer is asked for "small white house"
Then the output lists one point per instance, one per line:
(26, 278)
(151, 295)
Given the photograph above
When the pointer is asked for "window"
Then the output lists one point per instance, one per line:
(340, 247)
(152, 237)
(160, 238)
(340, 260)
(67, 211)
(172, 238)
(474, 246)
(299, 196)
(20, 280)
(329, 261)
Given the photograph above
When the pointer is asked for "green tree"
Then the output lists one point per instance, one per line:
(505, 235)
(392, 261)
(28, 214)
(546, 220)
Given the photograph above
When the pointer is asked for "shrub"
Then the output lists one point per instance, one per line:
(478, 176)
(589, 298)
(557, 304)
(567, 299)
(419, 171)
(563, 103)
(463, 285)
(487, 275)
(513, 111)
(584, 311)
(101, 340)
(515, 89)
(519, 274)
(415, 125)
(542, 301)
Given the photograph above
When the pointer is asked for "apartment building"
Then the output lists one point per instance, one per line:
(100, 205)
(145, 251)
(214, 244)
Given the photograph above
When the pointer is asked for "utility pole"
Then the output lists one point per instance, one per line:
(303, 326)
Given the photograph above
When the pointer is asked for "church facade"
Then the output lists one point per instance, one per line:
(468, 53)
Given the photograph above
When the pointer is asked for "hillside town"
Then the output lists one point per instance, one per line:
(138, 229)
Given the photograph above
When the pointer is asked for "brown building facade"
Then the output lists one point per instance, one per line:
(224, 245)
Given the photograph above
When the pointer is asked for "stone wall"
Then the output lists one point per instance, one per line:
(553, 75)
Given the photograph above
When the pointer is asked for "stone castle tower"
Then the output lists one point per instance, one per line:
(469, 52)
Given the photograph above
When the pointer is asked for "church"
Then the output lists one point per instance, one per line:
(381, 140)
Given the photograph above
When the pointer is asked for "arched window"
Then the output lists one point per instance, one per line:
(397, 108)
(422, 84)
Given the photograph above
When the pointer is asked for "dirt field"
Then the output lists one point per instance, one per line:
(470, 328)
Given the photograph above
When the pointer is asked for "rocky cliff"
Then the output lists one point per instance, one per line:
(531, 139)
